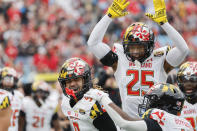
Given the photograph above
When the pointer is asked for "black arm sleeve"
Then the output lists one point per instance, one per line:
(54, 117)
(104, 123)
(22, 113)
(22, 121)
(152, 125)
(109, 59)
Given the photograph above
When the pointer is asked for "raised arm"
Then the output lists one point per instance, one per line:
(177, 54)
(95, 44)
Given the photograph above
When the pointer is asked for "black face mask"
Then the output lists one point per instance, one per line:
(191, 97)
(43, 95)
(189, 84)
(147, 52)
(8, 79)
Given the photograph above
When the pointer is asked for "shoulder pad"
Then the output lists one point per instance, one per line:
(5, 103)
(93, 91)
(158, 115)
(158, 53)
(168, 49)
(18, 94)
(147, 114)
(96, 111)
(161, 51)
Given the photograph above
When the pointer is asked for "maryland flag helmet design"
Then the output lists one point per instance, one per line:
(138, 34)
(163, 96)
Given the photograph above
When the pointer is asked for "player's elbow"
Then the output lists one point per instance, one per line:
(186, 51)
(92, 41)
(89, 41)
(122, 124)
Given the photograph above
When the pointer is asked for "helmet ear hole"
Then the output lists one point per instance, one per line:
(174, 91)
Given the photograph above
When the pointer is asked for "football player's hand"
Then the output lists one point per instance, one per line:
(160, 16)
(96, 94)
(117, 8)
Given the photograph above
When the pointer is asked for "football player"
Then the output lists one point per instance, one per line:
(160, 108)
(84, 113)
(136, 65)
(39, 110)
(187, 82)
(5, 109)
(8, 81)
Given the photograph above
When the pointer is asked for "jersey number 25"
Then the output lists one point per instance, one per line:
(135, 79)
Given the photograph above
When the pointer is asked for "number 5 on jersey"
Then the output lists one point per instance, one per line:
(135, 79)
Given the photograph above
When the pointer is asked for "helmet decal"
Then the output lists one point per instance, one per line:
(163, 96)
(137, 31)
(73, 67)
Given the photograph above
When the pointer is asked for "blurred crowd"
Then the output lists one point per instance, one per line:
(39, 35)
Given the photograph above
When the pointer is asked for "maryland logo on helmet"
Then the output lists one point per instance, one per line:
(161, 88)
(137, 32)
(188, 69)
(8, 71)
(72, 67)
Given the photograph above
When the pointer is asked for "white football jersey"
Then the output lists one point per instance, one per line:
(16, 102)
(167, 121)
(83, 113)
(134, 80)
(38, 118)
(189, 112)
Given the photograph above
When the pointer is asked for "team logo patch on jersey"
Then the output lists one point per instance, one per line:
(5, 103)
(96, 111)
(147, 114)
(81, 111)
(158, 53)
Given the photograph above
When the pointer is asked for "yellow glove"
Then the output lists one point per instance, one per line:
(117, 8)
(160, 16)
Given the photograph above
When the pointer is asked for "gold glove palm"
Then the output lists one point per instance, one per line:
(160, 16)
(117, 8)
